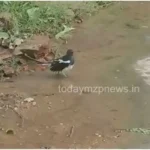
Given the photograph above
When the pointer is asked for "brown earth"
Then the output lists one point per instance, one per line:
(106, 47)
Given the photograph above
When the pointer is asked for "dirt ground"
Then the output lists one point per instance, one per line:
(106, 47)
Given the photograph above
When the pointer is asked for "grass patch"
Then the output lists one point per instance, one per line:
(45, 17)
(138, 130)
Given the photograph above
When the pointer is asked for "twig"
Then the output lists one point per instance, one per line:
(71, 131)
(36, 60)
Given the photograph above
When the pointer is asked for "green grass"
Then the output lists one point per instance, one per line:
(45, 17)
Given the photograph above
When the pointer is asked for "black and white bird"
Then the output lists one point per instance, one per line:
(63, 64)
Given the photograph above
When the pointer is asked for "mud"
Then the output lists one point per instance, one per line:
(106, 50)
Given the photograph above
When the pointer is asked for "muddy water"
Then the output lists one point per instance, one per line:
(106, 36)
(106, 51)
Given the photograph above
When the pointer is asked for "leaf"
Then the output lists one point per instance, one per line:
(12, 38)
(18, 41)
(33, 13)
(6, 2)
(64, 32)
(4, 35)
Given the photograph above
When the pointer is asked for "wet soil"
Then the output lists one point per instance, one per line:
(106, 47)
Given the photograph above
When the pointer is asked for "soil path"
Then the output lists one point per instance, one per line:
(106, 47)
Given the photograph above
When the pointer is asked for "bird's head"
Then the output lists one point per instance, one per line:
(69, 52)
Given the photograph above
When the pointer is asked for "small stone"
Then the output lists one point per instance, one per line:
(2, 94)
(116, 136)
(47, 127)
(1, 129)
(29, 99)
(15, 108)
(34, 103)
(97, 134)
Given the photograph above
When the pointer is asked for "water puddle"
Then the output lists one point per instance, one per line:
(143, 68)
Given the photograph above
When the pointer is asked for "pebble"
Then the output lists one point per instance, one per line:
(47, 127)
(116, 136)
(1, 129)
(29, 99)
(34, 103)
(97, 134)
(2, 94)
(15, 108)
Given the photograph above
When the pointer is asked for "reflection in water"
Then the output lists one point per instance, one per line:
(143, 68)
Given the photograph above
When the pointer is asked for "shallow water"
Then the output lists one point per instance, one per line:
(142, 67)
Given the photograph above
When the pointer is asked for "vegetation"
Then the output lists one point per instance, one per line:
(45, 17)
(19, 20)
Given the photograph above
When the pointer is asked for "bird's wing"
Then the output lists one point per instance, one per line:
(59, 64)
(63, 60)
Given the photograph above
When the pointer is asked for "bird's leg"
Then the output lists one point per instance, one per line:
(64, 73)
(67, 70)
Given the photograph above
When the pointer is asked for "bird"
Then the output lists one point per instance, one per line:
(63, 64)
